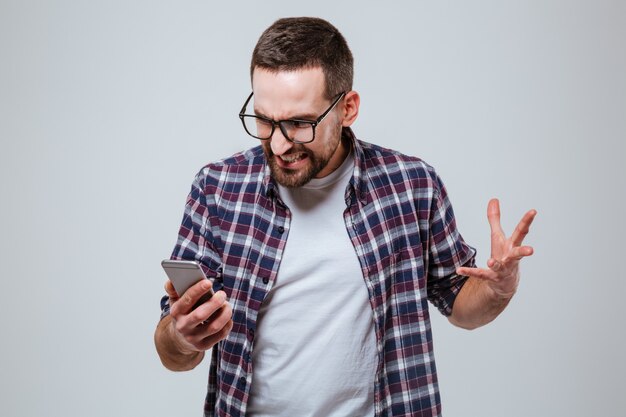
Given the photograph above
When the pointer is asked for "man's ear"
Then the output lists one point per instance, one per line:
(351, 104)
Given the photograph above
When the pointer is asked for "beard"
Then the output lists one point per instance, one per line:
(316, 162)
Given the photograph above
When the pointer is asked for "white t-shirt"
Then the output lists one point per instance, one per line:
(315, 347)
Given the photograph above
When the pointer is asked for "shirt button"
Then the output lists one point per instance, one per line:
(242, 380)
(281, 229)
(247, 357)
(266, 280)
(251, 334)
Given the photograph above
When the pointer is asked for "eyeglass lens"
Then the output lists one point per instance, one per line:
(294, 130)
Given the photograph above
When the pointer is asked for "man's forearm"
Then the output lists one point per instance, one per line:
(171, 350)
(476, 305)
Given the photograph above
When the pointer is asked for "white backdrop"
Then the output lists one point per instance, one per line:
(108, 109)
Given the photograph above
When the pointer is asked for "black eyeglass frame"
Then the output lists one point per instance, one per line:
(313, 123)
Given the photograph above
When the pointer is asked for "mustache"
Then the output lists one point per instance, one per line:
(298, 148)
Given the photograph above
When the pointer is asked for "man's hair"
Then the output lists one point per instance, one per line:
(297, 43)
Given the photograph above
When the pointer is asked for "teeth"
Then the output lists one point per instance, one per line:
(292, 158)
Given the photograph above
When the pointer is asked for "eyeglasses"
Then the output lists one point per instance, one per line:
(294, 130)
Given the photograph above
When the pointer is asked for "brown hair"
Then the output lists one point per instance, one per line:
(295, 43)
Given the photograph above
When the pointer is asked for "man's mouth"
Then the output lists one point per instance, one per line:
(292, 159)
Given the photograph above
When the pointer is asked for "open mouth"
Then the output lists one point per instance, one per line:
(292, 160)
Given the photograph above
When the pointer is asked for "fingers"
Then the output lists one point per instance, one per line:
(208, 323)
(480, 273)
(213, 314)
(523, 227)
(211, 340)
(217, 322)
(187, 300)
(519, 252)
(169, 289)
(502, 282)
(493, 216)
(498, 266)
(502, 272)
(494, 265)
(188, 321)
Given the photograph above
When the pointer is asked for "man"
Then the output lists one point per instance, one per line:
(327, 249)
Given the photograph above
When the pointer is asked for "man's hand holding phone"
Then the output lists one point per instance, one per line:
(202, 327)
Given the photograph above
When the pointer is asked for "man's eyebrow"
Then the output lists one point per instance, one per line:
(305, 116)
(259, 113)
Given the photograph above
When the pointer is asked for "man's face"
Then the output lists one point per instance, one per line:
(298, 95)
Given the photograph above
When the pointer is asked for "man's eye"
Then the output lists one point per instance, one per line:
(299, 125)
(263, 122)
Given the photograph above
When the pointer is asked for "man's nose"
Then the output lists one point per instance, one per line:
(279, 142)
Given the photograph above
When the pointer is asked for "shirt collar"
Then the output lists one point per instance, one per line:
(358, 186)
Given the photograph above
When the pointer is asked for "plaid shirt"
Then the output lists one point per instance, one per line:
(401, 224)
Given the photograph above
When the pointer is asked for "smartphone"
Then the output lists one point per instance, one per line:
(183, 275)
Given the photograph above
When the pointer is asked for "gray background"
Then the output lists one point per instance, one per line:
(108, 109)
